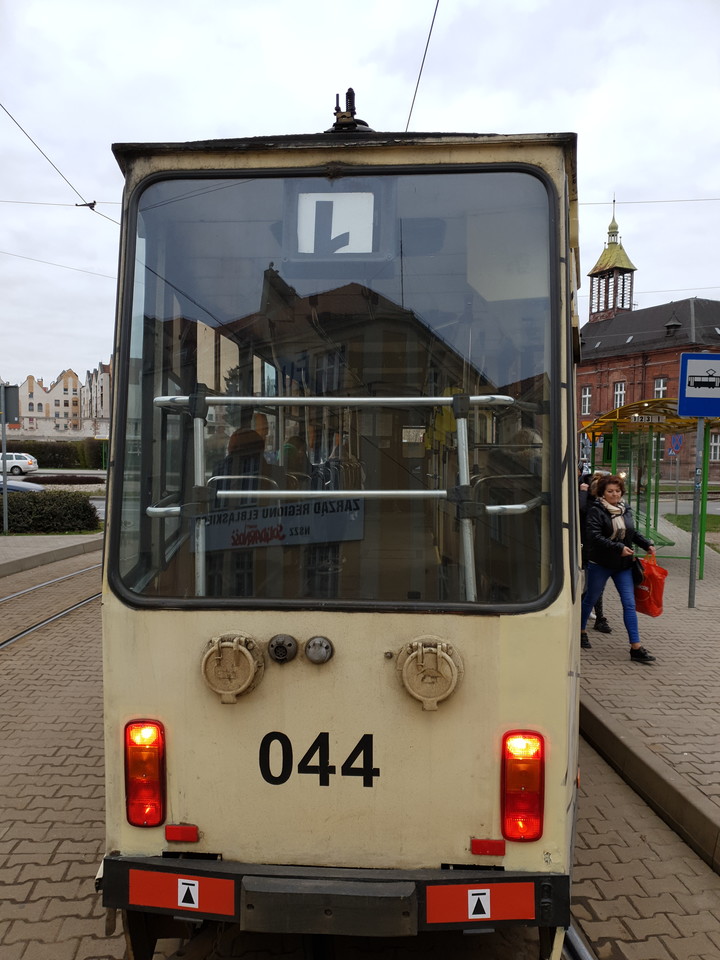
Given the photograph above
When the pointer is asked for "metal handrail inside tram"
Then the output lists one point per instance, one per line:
(460, 403)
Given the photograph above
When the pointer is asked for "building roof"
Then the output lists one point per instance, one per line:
(679, 325)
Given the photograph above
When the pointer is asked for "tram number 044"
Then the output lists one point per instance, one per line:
(316, 760)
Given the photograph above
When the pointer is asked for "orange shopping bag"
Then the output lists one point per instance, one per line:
(649, 593)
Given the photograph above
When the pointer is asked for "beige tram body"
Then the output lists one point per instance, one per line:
(399, 732)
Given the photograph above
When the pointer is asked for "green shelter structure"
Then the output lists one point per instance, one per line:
(631, 441)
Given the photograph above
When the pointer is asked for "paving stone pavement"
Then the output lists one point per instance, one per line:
(658, 724)
(639, 891)
(19, 553)
(52, 792)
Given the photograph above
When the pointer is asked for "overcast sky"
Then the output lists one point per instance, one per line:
(638, 80)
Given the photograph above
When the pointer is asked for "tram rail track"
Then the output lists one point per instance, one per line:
(43, 623)
(29, 609)
(576, 946)
(47, 583)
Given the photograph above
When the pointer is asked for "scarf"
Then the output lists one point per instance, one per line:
(618, 523)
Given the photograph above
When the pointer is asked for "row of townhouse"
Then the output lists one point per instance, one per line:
(67, 409)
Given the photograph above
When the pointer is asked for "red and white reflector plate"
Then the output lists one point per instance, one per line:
(182, 891)
(458, 903)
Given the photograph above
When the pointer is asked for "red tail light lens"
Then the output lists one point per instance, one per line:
(145, 773)
(523, 785)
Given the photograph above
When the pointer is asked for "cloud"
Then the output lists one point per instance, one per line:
(639, 83)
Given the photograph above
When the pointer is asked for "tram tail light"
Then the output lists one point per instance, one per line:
(145, 773)
(523, 785)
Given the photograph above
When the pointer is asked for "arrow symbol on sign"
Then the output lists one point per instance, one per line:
(478, 904)
(325, 243)
(188, 893)
(479, 909)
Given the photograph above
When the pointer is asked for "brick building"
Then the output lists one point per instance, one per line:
(630, 355)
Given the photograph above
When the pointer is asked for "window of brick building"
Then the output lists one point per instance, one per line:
(715, 446)
(661, 384)
(658, 447)
(585, 400)
(619, 393)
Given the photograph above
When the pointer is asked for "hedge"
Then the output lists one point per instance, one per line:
(87, 454)
(52, 511)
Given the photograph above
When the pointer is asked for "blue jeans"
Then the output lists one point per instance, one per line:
(597, 577)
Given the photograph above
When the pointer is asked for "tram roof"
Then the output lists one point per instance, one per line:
(125, 153)
(659, 414)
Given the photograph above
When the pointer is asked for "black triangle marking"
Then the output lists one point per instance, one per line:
(188, 897)
(479, 908)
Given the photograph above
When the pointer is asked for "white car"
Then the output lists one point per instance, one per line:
(18, 463)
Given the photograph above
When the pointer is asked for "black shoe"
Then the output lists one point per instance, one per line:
(641, 655)
(584, 642)
(602, 626)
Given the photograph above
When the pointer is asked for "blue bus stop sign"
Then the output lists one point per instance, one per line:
(699, 385)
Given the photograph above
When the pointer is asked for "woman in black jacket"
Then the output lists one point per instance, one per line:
(587, 487)
(609, 538)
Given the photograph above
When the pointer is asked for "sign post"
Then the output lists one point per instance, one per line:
(698, 396)
(9, 413)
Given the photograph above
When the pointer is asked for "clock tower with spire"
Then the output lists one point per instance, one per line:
(611, 279)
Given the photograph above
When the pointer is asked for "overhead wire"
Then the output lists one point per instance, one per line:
(642, 293)
(427, 44)
(625, 203)
(90, 204)
(51, 203)
(108, 276)
(64, 266)
(581, 203)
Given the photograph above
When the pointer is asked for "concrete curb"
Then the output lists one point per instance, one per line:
(683, 807)
(51, 556)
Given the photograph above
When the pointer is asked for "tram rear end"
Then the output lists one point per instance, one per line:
(339, 632)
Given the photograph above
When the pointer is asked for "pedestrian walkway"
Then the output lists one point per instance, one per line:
(19, 553)
(657, 724)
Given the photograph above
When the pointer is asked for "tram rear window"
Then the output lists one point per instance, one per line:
(292, 349)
